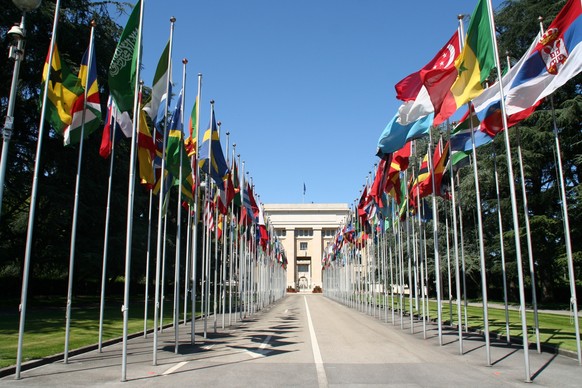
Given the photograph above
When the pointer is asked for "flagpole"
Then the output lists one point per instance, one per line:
(502, 247)
(232, 245)
(480, 227)
(481, 247)
(130, 196)
(224, 241)
(148, 249)
(527, 234)
(513, 198)
(31, 213)
(437, 263)
(196, 178)
(76, 201)
(566, 221)
(161, 195)
(106, 237)
(456, 242)
(179, 219)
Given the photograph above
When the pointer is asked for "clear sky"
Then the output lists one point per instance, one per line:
(305, 87)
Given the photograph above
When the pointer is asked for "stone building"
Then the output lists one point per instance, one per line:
(305, 230)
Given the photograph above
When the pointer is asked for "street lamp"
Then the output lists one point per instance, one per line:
(17, 35)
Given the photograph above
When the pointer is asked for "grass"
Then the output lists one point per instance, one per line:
(556, 330)
(45, 325)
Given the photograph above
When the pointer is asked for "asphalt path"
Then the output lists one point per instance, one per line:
(307, 340)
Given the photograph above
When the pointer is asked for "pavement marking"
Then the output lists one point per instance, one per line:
(175, 368)
(260, 352)
(207, 347)
(321, 376)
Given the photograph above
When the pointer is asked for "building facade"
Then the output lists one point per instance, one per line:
(305, 230)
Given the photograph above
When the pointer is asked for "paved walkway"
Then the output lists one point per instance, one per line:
(307, 340)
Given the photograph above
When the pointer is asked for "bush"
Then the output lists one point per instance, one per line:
(291, 289)
(317, 290)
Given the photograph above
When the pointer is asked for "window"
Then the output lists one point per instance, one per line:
(302, 246)
(328, 232)
(281, 232)
(302, 267)
(304, 232)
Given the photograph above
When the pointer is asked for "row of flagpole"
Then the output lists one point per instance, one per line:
(256, 270)
(345, 279)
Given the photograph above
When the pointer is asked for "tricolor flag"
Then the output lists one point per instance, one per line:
(556, 58)
(475, 62)
(160, 84)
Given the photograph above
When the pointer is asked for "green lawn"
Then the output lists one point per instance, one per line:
(555, 330)
(45, 325)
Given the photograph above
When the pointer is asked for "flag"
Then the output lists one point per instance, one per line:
(396, 135)
(212, 140)
(429, 85)
(123, 67)
(63, 89)
(115, 119)
(488, 104)
(439, 162)
(304, 188)
(398, 164)
(160, 85)
(91, 117)
(236, 185)
(192, 139)
(176, 160)
(209, 215)
(423, 175)
(146, 152)
(380, 179)
(556, 58)
(475, 62)
(461, 139)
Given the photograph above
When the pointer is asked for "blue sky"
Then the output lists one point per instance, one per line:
(304, 87)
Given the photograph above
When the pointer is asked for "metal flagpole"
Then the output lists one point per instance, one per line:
(456, 249)
(196, 178)
(31, 213)
(231, 249)
(161, 196)
(502, 247)
(566, 220)
(513, 198)
(130, 195)
(163, 278)
(480, 228)
(528, 235)
(215, 280)
(76, 202)
(437, 261)
(225, 225)
(106, 237)
(179, 218)
(481, 247)
(148, 251)
(463, 268)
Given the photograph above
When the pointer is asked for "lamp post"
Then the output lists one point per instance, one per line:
(17, 34)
